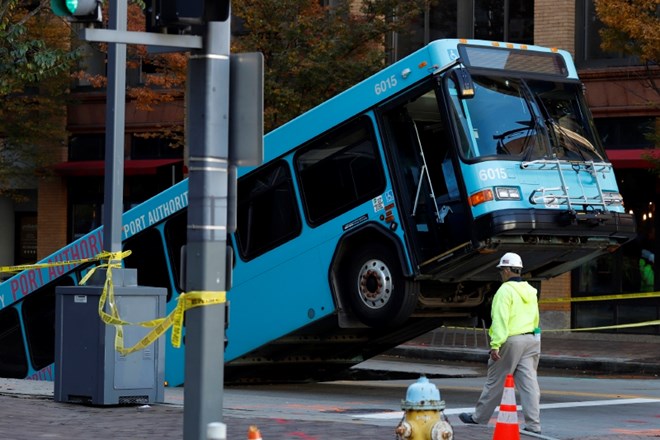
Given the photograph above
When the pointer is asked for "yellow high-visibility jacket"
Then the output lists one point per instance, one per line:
(515, 311)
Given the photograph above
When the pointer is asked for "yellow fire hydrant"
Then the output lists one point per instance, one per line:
(423, 418)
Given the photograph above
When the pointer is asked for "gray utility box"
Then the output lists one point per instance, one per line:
(88, 369)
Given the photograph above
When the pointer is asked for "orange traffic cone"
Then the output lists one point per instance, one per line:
(253, 433)
(507, 419)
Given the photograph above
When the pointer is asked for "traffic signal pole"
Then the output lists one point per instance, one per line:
(114, 132)
(206, 252)
(211, 180)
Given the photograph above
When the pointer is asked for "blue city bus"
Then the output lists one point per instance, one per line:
(376, 216)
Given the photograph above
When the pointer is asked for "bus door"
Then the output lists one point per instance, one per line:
(419, 145)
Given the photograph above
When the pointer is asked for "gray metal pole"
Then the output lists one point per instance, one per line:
(114, 131)
(208, 137)
(465, 19)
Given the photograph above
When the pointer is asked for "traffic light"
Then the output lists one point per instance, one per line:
(77, 10)
(186, 16)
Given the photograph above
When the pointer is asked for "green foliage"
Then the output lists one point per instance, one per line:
(34, 63)
(312, 52)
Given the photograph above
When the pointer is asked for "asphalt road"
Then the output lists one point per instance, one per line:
(571, 407)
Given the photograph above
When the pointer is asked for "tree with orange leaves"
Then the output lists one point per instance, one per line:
(633, 28)
(312, 52)
(164, 82)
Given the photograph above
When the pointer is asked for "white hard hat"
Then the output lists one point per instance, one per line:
(510, 260)
(648, 255)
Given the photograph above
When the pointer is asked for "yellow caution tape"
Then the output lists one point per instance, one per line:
(20, 268)
(607, 327)
(159, 326)
(585, 329)
(601, 298)
(186, 301)
(604, 298)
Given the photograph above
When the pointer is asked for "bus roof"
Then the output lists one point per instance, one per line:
(388, 82)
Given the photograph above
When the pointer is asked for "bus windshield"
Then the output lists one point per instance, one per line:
(513, 118)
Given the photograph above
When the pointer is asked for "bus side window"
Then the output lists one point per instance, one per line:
(38, 312)
(435, 145)
(339, 171)
(175, 231)
(450, 179)
(13, 361)
(267, 214)
(402, 134)
(149, 258)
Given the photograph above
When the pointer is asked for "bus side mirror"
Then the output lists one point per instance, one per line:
(464, 84)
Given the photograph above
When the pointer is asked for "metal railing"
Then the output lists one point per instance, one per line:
(560, 195)
(471, 335)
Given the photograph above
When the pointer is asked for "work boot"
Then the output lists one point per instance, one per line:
(467, 418)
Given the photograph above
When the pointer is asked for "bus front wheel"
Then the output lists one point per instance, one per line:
(376, 289)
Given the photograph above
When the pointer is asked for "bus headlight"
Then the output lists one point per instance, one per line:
(507, 193)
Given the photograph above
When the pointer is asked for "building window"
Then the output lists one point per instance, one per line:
(504, 20)
(587, 40)
(626, 133)
(91, 146)
(25, 251)
(622, 271)
(145, 146)
(87, 147)
(613, 274)
(86, 205)
(437, 22)
(86, 196)
(499, 20)
(92, 61)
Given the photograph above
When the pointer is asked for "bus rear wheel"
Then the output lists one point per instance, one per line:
(376, 289)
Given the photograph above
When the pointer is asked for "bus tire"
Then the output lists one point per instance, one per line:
(376, 289)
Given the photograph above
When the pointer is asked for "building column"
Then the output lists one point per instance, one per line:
(465, 19)
(554, 24)
(556, 315)
(53, 216)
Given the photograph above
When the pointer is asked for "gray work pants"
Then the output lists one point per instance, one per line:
(520, 357)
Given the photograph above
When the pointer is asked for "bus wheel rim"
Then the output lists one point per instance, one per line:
(375, 284)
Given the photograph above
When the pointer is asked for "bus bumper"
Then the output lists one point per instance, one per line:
(538, 223)
(549, 242)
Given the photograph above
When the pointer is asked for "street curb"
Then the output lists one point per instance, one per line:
(591, 364)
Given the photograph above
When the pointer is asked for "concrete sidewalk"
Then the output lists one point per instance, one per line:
(579, 351)
(30, 413)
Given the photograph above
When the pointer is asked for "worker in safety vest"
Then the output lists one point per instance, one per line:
(646, 271)
(515, 347)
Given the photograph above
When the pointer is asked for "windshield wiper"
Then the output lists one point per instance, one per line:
(572, 141)
(539, 127)
(502, 148)
(559, 135)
